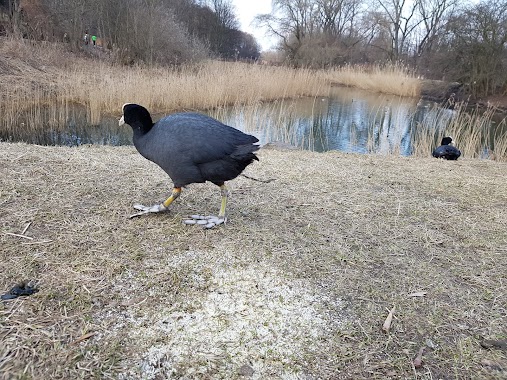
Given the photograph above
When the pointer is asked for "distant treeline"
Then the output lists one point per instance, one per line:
(456, 40)
(463, 41)
(150, 31)
(453, 40)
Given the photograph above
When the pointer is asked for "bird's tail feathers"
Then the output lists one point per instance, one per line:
(245, 153)
(230, 166)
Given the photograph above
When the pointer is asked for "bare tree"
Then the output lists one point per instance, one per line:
(475, 50)
(336, 17)
(224, 36)
(434, 15)
(14, 10)
(292, 21)
(403, 21)
(224, 12)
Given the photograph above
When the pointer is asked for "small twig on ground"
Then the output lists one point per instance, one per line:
(417, 294)
(83, 337)
(26, 228)
(398, 212)
(37, 242)
(18, 235)
(259, 180)
(21, 156)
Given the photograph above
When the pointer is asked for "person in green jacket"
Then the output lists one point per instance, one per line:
(94, 40)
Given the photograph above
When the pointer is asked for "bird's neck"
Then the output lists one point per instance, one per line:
(140, 129)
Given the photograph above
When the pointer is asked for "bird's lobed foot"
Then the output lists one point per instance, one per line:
(208, 221)
(147, 209)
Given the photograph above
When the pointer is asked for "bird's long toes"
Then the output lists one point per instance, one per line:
(138, 214)
(140, 207)
(147, 209)
(208, 221)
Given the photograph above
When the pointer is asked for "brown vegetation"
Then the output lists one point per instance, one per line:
(388, 79)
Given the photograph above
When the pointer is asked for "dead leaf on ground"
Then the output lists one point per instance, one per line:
(387, 324)
(491, 365)
(134, 301)
(500, 344)
(84, 337)
(418, 360)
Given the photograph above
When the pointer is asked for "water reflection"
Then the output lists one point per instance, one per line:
(106, 133)
(69, 127)
(348, 120)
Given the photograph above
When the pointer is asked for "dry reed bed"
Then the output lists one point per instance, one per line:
(298, 283)
(59, 80)
(388, 79)
(103, 89)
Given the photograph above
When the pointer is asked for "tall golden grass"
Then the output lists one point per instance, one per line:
(394, 79)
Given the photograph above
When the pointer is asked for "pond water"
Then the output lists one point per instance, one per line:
(348, 120)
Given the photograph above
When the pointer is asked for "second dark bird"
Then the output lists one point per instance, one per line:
(446, 150)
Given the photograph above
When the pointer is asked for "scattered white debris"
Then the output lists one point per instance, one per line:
(250, 320)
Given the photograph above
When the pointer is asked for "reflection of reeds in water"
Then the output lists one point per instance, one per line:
(40, 110)
(271, 123)
(388, 129)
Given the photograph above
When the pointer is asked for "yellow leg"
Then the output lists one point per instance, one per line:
(225, 193)
(175, 194)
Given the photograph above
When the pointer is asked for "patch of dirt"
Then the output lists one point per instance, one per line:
(245, 316)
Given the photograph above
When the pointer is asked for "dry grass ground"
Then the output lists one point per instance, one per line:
(296, 286)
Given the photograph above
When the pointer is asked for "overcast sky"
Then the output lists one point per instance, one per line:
(246, 10)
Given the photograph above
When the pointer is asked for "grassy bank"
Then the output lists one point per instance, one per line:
(297, 285)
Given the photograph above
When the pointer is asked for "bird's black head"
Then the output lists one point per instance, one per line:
(137, 117)
(446, 141)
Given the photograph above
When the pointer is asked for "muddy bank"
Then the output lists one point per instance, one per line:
(449, 93)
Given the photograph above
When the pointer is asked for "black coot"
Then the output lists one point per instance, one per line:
(446, 150)
(190, 148)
